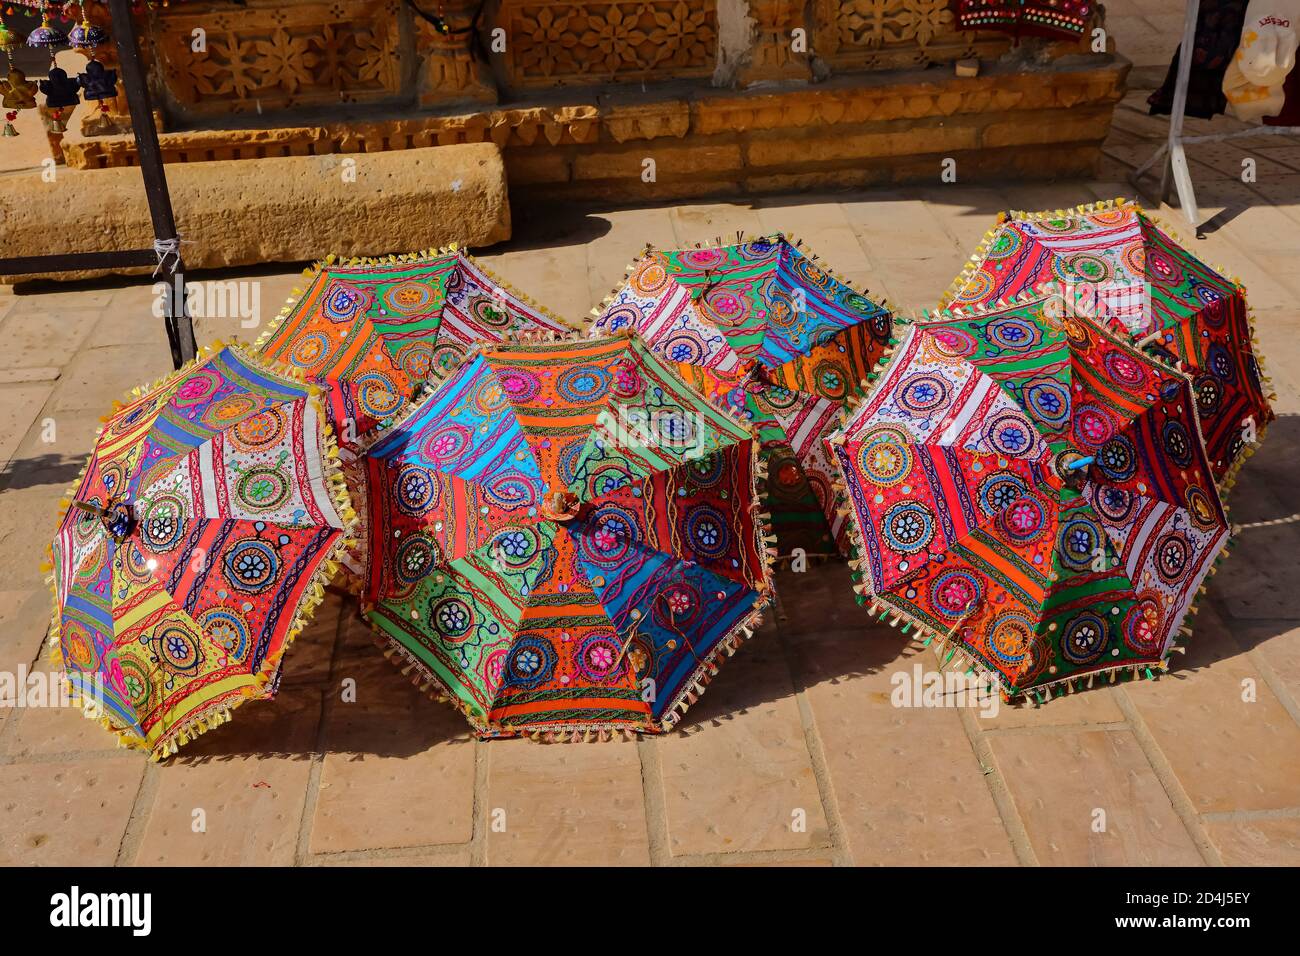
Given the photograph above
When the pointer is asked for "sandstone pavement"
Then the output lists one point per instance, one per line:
(795, 755)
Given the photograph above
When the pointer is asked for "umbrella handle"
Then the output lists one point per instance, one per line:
(627, 642)
(90, 508)
(117, 528)
(970, 609)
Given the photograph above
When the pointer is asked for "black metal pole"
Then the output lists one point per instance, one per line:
(180, 328)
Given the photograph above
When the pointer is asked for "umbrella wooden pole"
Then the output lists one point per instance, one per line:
(180, 328)
(165, 254)
(91, 509)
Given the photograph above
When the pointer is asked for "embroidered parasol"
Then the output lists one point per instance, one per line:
(1031, 491)
(1143, 284)
(373, 331)
(764, 329)
(565, 541)
(194, 547)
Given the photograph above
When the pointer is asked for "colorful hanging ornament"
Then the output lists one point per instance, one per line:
(47, 35)
(1050, 19)
(98, 83)
(86, 36)
(10, 40)
(60, 93)
(16, 91)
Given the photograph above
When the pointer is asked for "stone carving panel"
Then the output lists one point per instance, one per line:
(267, 55)
(561, 42)
(451, 66)
(895, 34)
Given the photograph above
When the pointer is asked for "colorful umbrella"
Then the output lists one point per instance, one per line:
(1032, 490)
(194, 548)
(1146, 285)
(373, 331)
(769, 332)
(565, 540)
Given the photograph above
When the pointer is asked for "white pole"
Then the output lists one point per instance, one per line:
(1177, 157)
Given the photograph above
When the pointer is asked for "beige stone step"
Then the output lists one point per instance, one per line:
(281, 209)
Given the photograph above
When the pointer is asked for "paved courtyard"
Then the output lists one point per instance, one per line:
(795, 755)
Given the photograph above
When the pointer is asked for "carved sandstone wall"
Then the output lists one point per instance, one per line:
(722, 96)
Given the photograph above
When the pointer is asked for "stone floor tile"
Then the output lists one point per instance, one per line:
(1263, 228)
(812, 862)
(706, 223)
(1228, 753)
(28, 520)
(24, 619)
(286, 725)
(737, 775)
(1257, 842)
(565, 804)
(57, 730)
(308, 661)
(41, 337)
(20, 407)
(371, 801)
(1138, 39)
(52, 451)
(556, 278)
(1060, 782)
(892, 229)
(906, 782)
(825, 231)
(457, 857)
(245, 811)
(96, 378)
(916, 285)
(129, 317)
(1093, 706)
(967, 217)
(817, 600)
(398, 769)
(609, 256)
(1277, 644)
(71, 813)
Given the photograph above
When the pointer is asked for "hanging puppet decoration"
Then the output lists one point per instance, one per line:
(62, 92)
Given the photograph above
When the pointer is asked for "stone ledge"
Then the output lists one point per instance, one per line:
(1036, 120)
(271, 210)
(685, 114)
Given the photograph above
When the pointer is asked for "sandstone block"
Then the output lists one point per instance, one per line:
(287, 209)
(776, 149)
(671, 162)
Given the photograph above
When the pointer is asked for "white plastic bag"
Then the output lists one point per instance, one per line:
(1267, 53)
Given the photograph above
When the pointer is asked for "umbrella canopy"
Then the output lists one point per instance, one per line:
(764, 329)
(565, 540)
(194, 547)
(1033, 490)
(373, 331)
(1143, 284)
